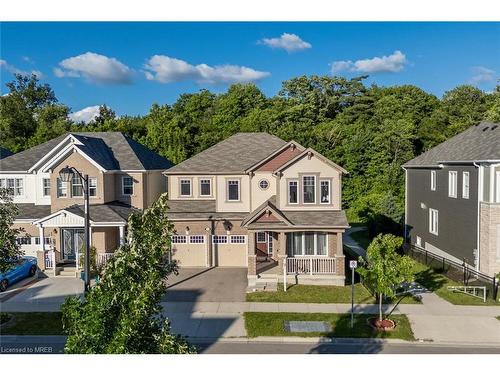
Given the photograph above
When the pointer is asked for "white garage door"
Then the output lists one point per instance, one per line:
(189, 255)
(231, 255)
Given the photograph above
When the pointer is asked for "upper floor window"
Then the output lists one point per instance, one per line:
(433, 221)
(465, 185)
(433, 180)
(452, 184)
(46, 187)
(233, 190)
(205, 187)
(309, 189)
(62, 188)
(127, 185)
(14, 186)
(92, 186)
(76, 187)
(293, 191)
(325, 191)
(261, 237)
(264, 184)
(186, 188)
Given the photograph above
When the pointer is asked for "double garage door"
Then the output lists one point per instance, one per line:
(226, 254)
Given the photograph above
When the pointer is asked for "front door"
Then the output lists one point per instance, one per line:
(72, 239)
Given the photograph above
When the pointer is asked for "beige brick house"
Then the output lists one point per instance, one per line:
(256, 201)
(124, 175)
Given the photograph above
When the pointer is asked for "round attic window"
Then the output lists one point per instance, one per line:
(263, 184)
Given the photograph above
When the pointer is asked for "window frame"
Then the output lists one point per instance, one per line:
(14, 189)
(24, 240)
(238, 184)
(45, 187)
(302, 244)
(73, 185)
(178, 239)
(465, 187)
(217, 237)
(296, 181)
(452, 184)
(304, 189)
(203, 181)
(329, 183)
(92, 187)
(234, 237)
(197, 239)
(183, 181)
(61, 186)
(433, 221)
(131, 186)
(433, 180)
(261, 241)
(266, 181)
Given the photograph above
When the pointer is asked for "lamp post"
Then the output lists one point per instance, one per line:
(66, 174)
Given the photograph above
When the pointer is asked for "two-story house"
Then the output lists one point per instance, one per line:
(123, 175)
(453, 198)
(256, 201)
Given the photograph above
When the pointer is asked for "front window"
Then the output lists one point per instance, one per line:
(128, 185)
(292, 192)
(46, 187)
(309, 189)
(233, 190)
(92, 186)
(433, 221)
(261, 237)
(307, 244)
(186, 188)
(325, 192)
(205, 187)
(465, 185)
(76, 187)
(62, 188)
(14, 186)
(452, 184)
(23, 240)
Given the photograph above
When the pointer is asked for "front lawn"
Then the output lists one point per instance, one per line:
(34, 323)
(439, 283)
(299, 293)
(272, 324)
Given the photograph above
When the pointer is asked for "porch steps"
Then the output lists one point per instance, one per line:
(66, 271)
(266, 283)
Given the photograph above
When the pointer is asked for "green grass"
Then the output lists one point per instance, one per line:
(439, 283)
(34, 323)
(362, 238)
(299, 293)
(272, 324)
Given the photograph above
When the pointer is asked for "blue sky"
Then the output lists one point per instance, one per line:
(129, 66)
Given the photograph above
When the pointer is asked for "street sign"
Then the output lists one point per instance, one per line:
(353, 264)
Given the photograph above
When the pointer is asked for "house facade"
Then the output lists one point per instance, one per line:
(256, 201)
(453, 198)
(123, 176)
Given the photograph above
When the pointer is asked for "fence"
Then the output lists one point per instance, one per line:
(462, 273)
(312, 266)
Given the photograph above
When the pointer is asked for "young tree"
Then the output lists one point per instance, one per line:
(384, 268)
(122, 313)
(9, 248)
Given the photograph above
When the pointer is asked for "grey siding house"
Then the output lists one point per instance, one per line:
(453, 198)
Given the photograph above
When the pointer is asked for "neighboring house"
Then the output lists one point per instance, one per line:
(256, 201)
(453, 198)
(4, 153)
(124, 175)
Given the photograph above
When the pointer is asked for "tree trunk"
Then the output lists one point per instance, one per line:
(380, 296)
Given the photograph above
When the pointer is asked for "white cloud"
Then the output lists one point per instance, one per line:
(288, 42)
(13, 70)
(393, 63)
(86, 114)
(166, 69)
(481, 75)
(95, 68)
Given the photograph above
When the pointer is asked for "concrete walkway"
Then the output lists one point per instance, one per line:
(351, 243)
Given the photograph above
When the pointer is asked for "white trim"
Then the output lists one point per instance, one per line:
(239, 190)
(497, 183)
(303, 245)
(190, 181)
(221, 236)
(452, 184)
(209, 184)
(237, 243)
(47, 156)
(257, 237)
(433, 221)
(63, 153)
(465, 188)
(296, 180)
(123, 186)
(328, 181)
(314, 190)
(433, 180)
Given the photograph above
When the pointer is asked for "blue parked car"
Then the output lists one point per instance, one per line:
(21, 268)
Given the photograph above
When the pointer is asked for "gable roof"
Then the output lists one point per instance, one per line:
(111, 150)
(4, 152)
(480, 142)
(232, 155)
(313, 153)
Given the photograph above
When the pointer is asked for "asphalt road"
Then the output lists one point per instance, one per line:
(54, 344)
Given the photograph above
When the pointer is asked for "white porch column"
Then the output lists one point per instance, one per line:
(42, 242)
(122, 235)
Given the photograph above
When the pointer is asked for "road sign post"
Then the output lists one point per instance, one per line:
(352, 265)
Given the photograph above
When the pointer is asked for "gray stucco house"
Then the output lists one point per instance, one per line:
(453, 198)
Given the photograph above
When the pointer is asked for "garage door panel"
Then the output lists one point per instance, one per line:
(189, 255)
(231, 255)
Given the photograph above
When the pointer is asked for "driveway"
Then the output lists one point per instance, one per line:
(40, 294)
(207, 285)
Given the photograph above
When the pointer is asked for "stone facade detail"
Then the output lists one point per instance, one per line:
(489, 238)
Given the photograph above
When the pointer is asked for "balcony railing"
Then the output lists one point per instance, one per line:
(310, 266)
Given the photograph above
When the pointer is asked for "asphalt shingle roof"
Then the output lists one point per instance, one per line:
(198, 209)
(232, 155)
(31, 211)
(479, 142)
(112, 150)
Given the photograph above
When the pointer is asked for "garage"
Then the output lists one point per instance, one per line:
(231, 255)
(190, 254)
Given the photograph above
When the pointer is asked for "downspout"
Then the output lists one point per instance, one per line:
(479, 195)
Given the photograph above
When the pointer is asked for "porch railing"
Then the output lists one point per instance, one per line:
(311, 266)
(50, 258)
(102, 258)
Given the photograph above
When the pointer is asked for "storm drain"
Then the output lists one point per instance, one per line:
(307, 326)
